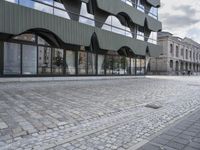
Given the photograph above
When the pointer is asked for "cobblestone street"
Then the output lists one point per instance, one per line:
(92, 115)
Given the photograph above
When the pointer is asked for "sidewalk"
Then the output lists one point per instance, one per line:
(185, 135)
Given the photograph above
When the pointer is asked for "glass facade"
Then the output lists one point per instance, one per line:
(44, 60)
(101, 64)
(82, 63)
(12, 59)
(57, 61)
(29, 60)
(70, 63)
(33, 56)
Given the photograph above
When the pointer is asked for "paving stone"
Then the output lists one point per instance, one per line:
(3, 125)
(175, 145)
(92, 114)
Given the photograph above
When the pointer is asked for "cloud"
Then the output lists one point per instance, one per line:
(187, 9)
(178, 21)
(181, 18)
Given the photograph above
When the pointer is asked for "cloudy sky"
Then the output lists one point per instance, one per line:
(181, 17)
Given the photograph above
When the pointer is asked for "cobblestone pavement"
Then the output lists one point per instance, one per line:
(185, 135)
(102, 114)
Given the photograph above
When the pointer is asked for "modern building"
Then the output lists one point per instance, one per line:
(77, 37)
(179, 56)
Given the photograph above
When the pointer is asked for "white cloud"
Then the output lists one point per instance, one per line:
(181, 17)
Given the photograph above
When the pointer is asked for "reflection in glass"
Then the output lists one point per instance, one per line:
(122, 66)
(57, 61)
(61, 13)
(91, 63)
(140, 6)
(101, 64)
(85, 17)
(153, 38)
(29, 60)
(153, 12)
(116, 65)
(12, 1)
(82, 63)
(109, 64)
(127, 66)
(142, 65)
(49, 2)
(140, 33)
(70, 63)
(26, 37)
(138, 67)
(12, 58)
(132, 66)
(41, 41)
(44, 60)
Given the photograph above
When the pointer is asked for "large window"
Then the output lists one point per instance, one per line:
(127, 66)
(133, 66)
(109, 64)
(57, 61)
(122, 65)
(44, 60)
(70, 63)
(143, 66)
(153, 12)
(140, 6)
(29, 60)
(91, 63)
(116, 65)
(12, 59)
(82, 63)
(138, 66)
(101, 64)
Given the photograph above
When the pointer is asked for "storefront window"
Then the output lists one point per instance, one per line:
(91, 63)
(101, 64)
(12, 59)
(138, 66)
(82, 63)
(44, 60)
(143, 66)
(109, 64)
(132, 66)
(57, 61)
(29, 60)
(127, 66)
(122, 65)
(116, 65)
(70, 63)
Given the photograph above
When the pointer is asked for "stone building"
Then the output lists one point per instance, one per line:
(179, 56)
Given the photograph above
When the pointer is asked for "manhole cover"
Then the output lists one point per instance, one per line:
(153, 106)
